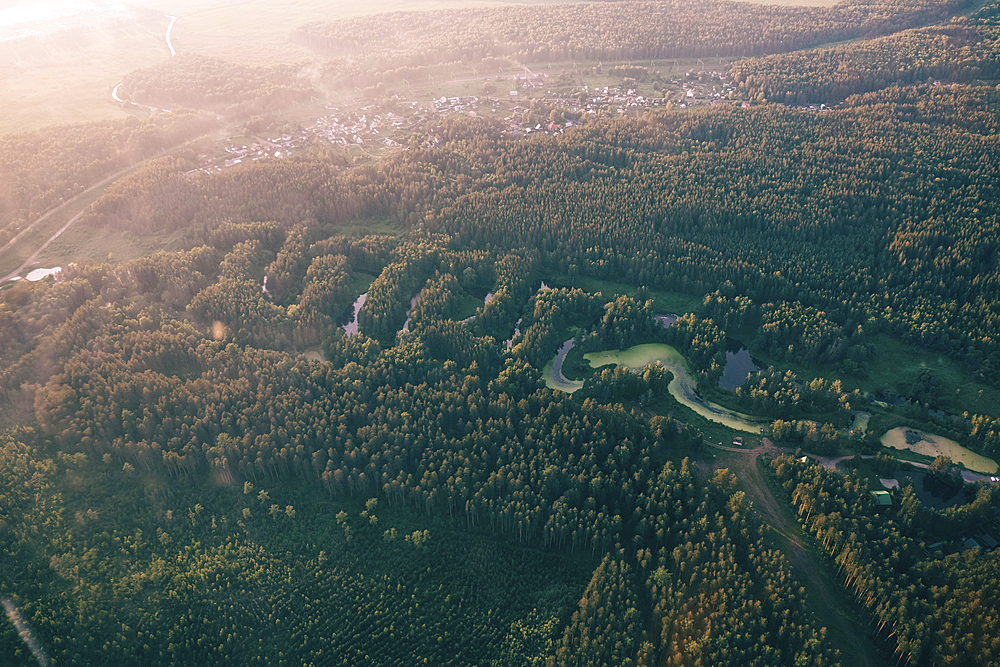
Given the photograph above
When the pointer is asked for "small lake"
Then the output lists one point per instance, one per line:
(859, 419)
(739, 366)
(665, 321)
(351, 327)
(932, 445)
(931, 491)
(681, 387)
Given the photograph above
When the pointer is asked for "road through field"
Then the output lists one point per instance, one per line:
(65, 204)
(825, 597)
(81, 201)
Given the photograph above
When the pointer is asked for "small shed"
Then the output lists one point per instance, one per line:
(882, 498)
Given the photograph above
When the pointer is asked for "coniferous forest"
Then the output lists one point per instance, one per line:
(218, 453)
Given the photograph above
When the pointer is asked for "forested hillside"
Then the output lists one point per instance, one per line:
(613, 30)
(687, 201)
(962, 50)
(321, 429)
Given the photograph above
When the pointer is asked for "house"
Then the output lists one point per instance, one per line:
(738, 441)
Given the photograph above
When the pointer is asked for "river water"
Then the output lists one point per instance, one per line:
(351, 327)
(935, 445)
(681, 387)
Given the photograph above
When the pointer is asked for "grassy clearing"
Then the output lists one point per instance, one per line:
(361, 282)
(103, 244)
(25, 246)
(663, 301)
(897, 367)
(467, 306)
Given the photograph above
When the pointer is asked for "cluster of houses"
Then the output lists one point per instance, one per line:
(468, 105)
(364, 126)
(235, 154)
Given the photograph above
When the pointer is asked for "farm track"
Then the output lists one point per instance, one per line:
(825, 597)
(74, 201)
(82, 202)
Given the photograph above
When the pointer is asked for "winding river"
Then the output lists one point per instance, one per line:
(681, 387)
(929, 444)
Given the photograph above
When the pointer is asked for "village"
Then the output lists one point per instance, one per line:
(526, 102)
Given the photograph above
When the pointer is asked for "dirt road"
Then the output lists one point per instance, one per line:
(826, 598)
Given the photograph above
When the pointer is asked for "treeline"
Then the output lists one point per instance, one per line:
(963, 50)
(213, 84)
(38, 170)
(608, 31)
(916, 604)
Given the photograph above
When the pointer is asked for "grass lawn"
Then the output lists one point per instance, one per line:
(79, 243)
(467, 306)
(361, 282)
(366, 226)
(663, 301)
(897, 366)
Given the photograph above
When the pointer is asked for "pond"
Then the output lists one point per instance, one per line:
(665, 321)
(681, 387)
(932, 445)
(860, 419)
(931, 491)
(351, 327)
(739, 366)
(38, 274)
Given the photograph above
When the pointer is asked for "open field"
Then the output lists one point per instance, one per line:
(67, 79)
(663, 301)
(256, 31)
(898, 364)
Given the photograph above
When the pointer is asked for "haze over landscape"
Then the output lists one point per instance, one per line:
(461, 332)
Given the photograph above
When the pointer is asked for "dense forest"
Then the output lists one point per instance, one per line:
(611, 31)
(919, 604)
(685, 201)
(200, 463)
(963, 50)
